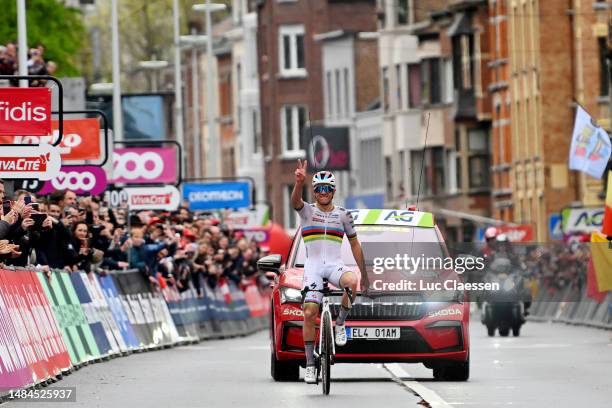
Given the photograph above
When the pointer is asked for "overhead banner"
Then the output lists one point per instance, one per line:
(591, 146)
(82, 180)
(217, 196)
(144, 165)
(81, 140)
(166, 198)
(41, 162)
(25, 111)
(327, 148)
(582, 220)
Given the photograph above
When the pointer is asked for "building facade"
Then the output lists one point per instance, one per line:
(291, 84)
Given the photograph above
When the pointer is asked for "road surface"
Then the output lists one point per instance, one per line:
(550, 365)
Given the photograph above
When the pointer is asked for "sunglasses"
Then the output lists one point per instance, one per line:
(324, 189)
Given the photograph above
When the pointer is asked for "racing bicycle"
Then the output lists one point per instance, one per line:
(326, 348)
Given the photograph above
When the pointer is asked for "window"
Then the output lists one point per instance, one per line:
(256, 131)
(401, 176)
(291, 216)
(416, 163)
(291, 50)
(431, 81)
(447, 75)
(438, 170)
(328, 96)
(402, 12)
(451, 164)
(338, 95)
(398, 86)
(347, 102)
(293, 121)
(389, 177)
(478, 160)
(385, 86)
(371, 176)
(604, 84)
(414, 85)
(467, 50)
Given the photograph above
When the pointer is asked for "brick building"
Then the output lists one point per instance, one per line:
(291, 90)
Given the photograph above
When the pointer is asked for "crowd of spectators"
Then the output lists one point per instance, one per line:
(37, 65)
(63, 231)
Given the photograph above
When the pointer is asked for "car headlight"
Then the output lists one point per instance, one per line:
(290, 295)
(508, 285)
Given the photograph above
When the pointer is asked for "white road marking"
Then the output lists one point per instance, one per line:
(429, 395)
(531, 346)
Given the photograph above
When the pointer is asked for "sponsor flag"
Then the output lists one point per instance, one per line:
(607, 221)
(591, 147)
(601, 257)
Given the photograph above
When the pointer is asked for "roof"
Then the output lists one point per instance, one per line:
(393, 217)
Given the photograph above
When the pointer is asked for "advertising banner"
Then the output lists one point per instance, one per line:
(519, 233)
(120, 315)
(30, 162)
(80, 140)
(91, 314)
(217, 196)
(327, 148)
(144, 165)
(582, 220)
(14, 369)
(82, 180)
(165, 198)
(25, 111)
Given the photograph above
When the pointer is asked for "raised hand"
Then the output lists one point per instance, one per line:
(300, 171)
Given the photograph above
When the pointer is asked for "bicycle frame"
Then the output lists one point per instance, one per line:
(325, 310)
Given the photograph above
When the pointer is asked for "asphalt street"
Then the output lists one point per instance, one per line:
(550, 365)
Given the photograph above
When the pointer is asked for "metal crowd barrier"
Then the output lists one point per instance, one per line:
(51, 326)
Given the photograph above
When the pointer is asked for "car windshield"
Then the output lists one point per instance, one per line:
(386, 241)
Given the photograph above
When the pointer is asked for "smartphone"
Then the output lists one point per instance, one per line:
(27, 200)
(6, 206)
(38, 220)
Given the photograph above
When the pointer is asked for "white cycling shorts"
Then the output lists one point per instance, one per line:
(314, 273)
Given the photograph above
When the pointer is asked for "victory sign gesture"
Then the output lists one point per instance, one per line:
(300, 172)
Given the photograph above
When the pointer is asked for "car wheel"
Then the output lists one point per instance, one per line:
(284, 370)
(516, 330)
(504, 331)
(491, 330)
(453, 371)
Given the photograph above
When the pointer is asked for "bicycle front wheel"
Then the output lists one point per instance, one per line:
(326, 350)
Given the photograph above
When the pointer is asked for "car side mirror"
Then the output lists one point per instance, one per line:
(270, 263)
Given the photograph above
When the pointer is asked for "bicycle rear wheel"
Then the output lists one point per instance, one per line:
(326, 349)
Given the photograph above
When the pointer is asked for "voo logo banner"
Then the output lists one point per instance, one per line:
(147, 165)
(79, 179)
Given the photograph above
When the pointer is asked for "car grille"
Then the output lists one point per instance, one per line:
(395, 307)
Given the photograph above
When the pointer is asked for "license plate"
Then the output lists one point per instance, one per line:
(373, 332)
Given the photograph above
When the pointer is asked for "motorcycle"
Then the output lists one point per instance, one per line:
(504, 309)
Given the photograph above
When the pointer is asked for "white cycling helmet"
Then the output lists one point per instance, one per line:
(324, 177)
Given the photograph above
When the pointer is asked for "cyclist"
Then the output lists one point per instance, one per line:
(323, 228)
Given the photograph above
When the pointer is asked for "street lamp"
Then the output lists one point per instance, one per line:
(193, 41)
(153, 65)
(213, 151)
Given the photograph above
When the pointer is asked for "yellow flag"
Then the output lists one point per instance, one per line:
(602, 261)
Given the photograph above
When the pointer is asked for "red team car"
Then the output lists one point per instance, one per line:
(410, 326)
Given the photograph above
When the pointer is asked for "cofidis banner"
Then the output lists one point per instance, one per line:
(217, 196)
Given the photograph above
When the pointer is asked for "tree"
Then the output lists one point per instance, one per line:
(59, 28)
(146, 32)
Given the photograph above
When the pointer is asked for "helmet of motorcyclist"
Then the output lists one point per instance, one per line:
(491, 232)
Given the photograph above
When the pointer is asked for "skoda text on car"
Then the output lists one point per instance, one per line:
(390, 326)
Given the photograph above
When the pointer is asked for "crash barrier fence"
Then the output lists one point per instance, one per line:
(571, 305)
(52, 325)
